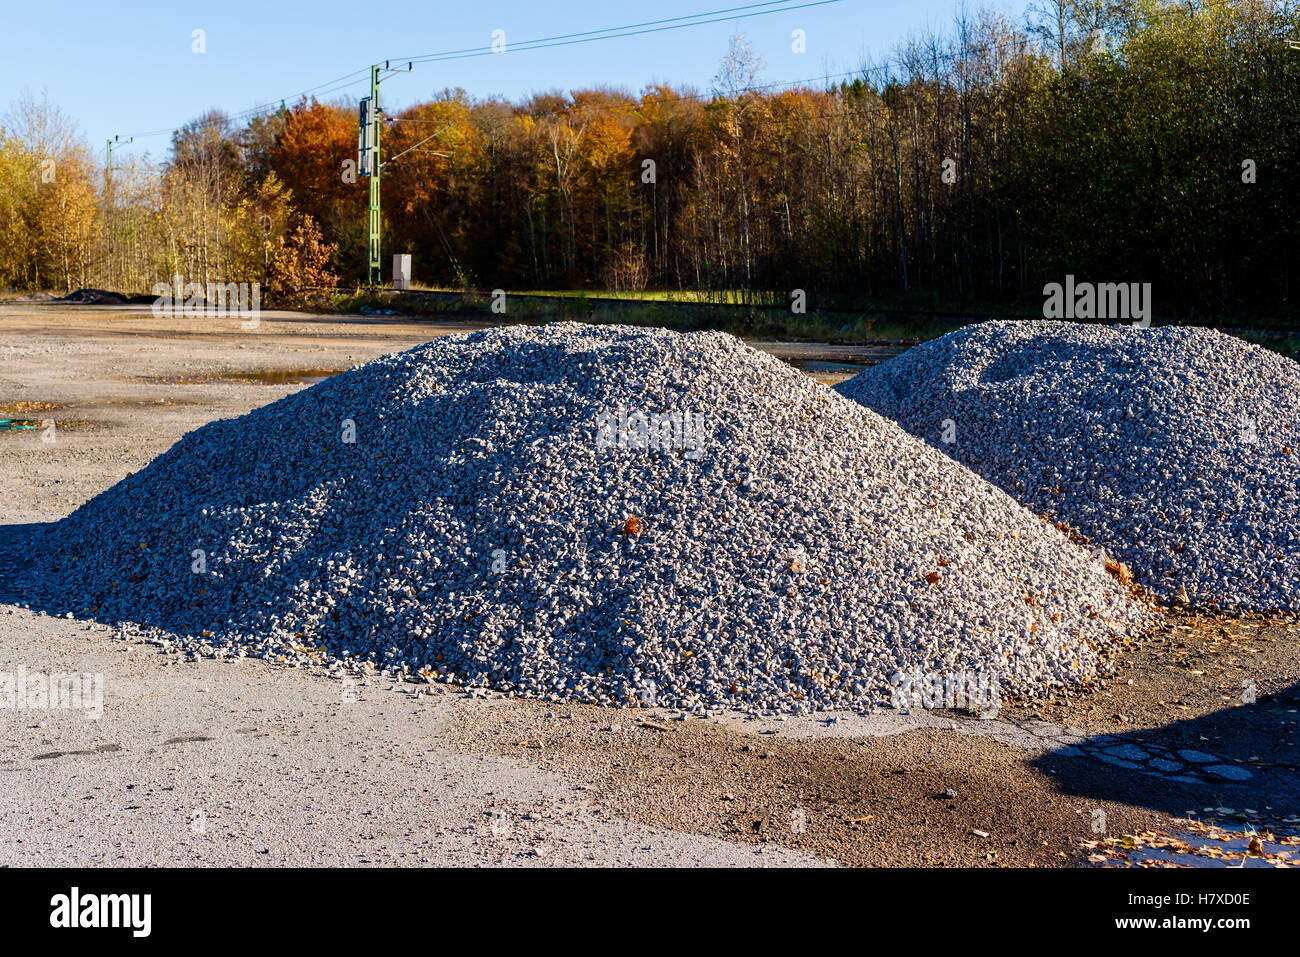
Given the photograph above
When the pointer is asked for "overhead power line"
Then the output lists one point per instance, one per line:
(608, 33)
(614, 33)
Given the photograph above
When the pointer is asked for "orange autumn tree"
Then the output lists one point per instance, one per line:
(315, 158)
(431, 183)
(299, 273)
(666, 121)
(611, 235)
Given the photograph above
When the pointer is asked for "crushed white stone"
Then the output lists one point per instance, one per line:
(1177, 450)
(474, 532)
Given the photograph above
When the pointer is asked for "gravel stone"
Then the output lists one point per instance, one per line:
(1175, 449)
(474, 533)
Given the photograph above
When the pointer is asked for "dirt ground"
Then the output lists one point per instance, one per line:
(1198, 720)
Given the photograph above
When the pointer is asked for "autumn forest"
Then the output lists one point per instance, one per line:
(1122, 141)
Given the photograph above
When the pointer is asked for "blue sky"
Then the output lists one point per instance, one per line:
(122, 68)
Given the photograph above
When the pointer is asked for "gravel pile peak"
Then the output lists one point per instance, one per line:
(1175, 449)
(508, 518)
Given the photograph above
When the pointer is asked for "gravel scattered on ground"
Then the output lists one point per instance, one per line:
(1174, 449)
(788, 551)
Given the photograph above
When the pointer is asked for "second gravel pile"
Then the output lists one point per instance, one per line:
(590, 513)
(1176, 449)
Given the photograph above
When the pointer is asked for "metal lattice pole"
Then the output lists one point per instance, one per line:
(375, 221)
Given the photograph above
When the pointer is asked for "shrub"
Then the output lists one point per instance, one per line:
(299, 273)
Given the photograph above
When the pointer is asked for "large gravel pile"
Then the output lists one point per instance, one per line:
(799, 554)
(1175, 449)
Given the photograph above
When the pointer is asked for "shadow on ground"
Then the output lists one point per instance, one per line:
(1244, 756)
(13, 541)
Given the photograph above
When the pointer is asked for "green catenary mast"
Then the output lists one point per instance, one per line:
(376, 273)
